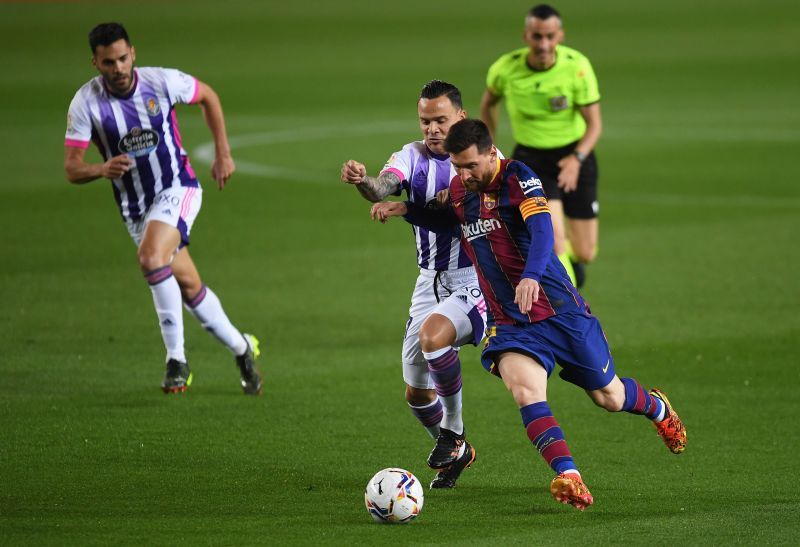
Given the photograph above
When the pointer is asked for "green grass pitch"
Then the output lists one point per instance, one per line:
(696, 283)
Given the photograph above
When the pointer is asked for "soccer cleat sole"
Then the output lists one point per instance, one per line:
(178, 389)
(567, 491)
(257, 391)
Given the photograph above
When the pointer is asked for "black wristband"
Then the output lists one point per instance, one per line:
(580, 155)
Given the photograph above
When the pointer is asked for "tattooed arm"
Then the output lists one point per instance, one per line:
(373, 189)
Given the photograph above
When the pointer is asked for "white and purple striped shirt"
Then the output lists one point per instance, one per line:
(143, 125)
(423, 174)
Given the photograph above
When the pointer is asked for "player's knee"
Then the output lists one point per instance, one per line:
(611, 401)
(525, 395)
(560, 245)
(433, 338)
(417, 396)
(584, 253)
(150, 259)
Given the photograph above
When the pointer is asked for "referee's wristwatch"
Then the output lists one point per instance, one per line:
(580, 155)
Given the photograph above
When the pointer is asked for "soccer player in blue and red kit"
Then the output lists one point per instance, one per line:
(129, 114)
(536, 316)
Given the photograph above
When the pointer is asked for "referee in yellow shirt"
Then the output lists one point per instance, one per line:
(553, 105)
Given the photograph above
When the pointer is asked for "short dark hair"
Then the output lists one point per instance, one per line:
(465, 133)
(544, 11)
(106, 34)
(437, 88)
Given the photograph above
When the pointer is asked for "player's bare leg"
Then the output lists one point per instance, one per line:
(581, 246)
(560, 240)
(526, 379)
(583, 234)
(185, 271)
(611, 397)
(159, 242)
(206, 307)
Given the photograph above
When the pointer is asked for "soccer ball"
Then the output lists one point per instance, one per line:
(394, 495)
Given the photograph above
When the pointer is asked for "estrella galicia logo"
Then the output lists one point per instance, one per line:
(139, 142)
(152, 106)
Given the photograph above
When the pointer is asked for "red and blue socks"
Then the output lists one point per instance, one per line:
(546, 435)
(639, 401)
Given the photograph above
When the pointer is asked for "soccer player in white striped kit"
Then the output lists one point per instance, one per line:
(128, 113)
(447, 306)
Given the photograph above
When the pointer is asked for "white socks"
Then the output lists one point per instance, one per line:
(167, 301)
(207, 308)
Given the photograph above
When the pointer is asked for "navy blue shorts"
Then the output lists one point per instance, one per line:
(573, 340)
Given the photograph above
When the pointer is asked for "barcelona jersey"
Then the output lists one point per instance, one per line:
(507, 232)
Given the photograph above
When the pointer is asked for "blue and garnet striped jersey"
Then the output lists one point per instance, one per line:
(507, 232)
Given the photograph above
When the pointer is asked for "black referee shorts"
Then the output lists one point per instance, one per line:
(582, 202)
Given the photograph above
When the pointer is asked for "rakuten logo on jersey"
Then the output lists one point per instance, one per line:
(479, 228)
(530, 184)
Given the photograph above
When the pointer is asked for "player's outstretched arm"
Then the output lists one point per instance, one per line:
(80, 172)
(373, 189)
(223, 166)
(436, 218)
(385, 210)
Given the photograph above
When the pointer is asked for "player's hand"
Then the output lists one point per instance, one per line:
(353, 172)
(568, 177)
(222, 169)
(442, 197)
(117, 166)
(386, 209)
(526, 294)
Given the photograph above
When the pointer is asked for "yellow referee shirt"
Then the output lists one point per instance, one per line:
(543, 105)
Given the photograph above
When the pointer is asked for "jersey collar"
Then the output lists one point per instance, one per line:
(495, 184)
(130, 93)
(436, 156)
(539, 70)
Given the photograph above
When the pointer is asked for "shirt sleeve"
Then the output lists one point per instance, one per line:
(182, 87)
(438, 221)
(401, 164)
(529, 196)
(494, 79)
(79, 125)
(586, 88)
(540, 227)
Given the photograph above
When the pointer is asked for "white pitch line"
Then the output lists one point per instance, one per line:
(205, 154)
